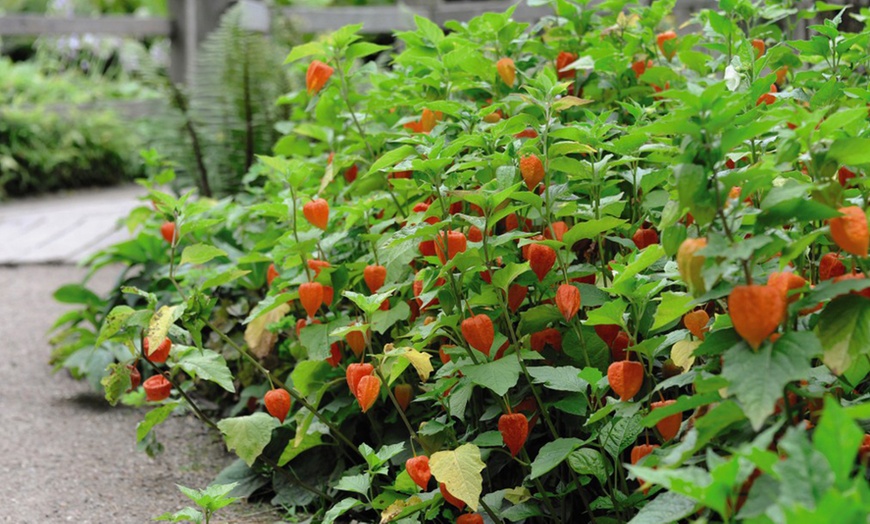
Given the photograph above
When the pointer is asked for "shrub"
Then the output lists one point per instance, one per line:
(709, 370)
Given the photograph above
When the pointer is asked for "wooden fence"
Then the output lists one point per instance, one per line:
(190, 21)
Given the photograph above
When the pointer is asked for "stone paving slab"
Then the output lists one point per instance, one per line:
(64, 228)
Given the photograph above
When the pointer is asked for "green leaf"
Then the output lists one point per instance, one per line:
(249, 435)
(342, 507)
(591, 229)
(115, 382)
(391, 158)
(208, 365)
(224, 277)
(617, 435)
(505, 276)
(382, 321)
(307, 376)
(564, 378)
(588, 461)
(837, 437)
(315, 339)
(850, 151)
(77, 294)
(367, 303)
(268, 304)
(114, 322)
(153, 418)
(672, 307)
(757, 379)
(666, 508)
(498, 375)
(355, 483)
(294, 448)
(552, 454)
(535, 319)
(643, 260)
(362, 49)
(844, 329)
(200, 254)
(301, 51)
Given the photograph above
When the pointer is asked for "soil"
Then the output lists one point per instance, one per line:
(65, 454)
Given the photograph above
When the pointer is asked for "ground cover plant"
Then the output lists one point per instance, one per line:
(586, 270)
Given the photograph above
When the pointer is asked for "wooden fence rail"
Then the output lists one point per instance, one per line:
(190, 21)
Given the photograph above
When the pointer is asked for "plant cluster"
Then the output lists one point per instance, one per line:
(586, 270)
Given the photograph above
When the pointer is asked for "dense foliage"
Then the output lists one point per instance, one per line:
(581, 270)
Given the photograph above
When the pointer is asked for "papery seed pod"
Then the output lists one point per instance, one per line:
(640, 67)
(311, 297)
(135, 377)
(626, 378)
(669, 426)
(550, 336)
(607, 332)
(271, 274)
(696, 322)
(644, 237)
(357, 340)
(469, 518)
(334, 354)
(418, 469)
(478, 331)
(278, 402)
(514, 429)
(830, 266)
(350, 174)
(475, 234)
(844, 176)
(374, 276)
(639, 452)
(759, 47)
(787, 282)
(767, 98)
(516, 295)
(850, 231)
(661, 38)
(756, 311)
(159, 355)
(317, 76)
(559, 228)
(507, 70)
(317, 266)
(355, 372)
(532, 171)
(167, 231)
(328, 295)
(618, 346)
(456, 243)
(541, 259)
(403, 394)
(157, 388)
(429, 119)
(367, 390)
(690, 264)
(563, 60)
(568, 301)
(317, 213)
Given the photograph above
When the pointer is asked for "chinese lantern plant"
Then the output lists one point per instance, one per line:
(577, 275)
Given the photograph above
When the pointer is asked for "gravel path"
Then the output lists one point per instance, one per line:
(65, 455)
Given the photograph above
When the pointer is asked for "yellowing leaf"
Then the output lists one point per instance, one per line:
(396, 508)
(683, 353)
(459, 470)
(421, 363)
(158, 328)
(259, 339)
(517, 495)
(570, 101)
